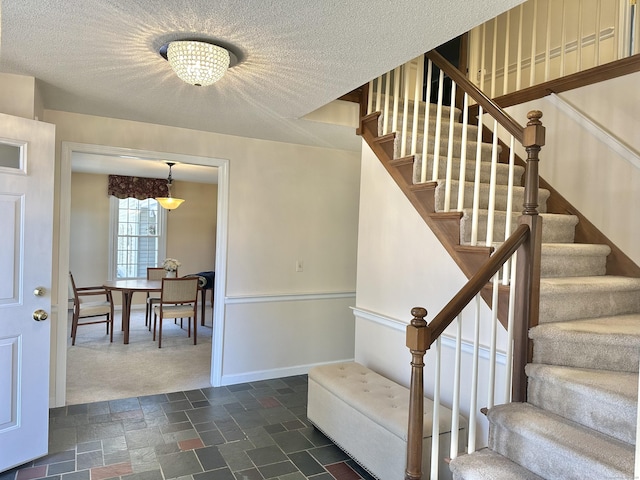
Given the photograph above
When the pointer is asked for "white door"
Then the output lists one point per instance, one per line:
(26, 223)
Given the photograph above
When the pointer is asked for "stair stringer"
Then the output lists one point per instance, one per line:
(445, 226)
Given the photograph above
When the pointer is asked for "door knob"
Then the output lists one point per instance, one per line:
(39, 291)
(40, 315)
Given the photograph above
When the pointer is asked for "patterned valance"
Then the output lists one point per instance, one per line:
(121, 186)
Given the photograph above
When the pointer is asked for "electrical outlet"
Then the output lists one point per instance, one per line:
(299, 266)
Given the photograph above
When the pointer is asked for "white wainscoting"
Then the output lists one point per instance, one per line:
(279, 335)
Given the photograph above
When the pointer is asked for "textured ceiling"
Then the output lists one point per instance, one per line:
(100, 57)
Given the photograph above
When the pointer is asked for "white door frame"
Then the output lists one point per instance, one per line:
(59, 350)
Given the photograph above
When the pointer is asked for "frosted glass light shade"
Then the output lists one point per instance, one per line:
(169, 203)
(198, 63)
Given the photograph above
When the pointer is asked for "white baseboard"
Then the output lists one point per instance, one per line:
(259, 375)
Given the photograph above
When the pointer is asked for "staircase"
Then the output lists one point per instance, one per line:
(579, 421)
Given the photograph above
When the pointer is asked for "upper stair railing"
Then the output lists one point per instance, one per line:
(543, 40)
(438, 144)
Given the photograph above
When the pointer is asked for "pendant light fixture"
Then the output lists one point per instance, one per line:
(169, 202)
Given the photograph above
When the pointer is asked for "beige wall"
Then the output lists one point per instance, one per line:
(286, 202)
(191, 229)
(19, 96)
(401, 265)
(597, 173)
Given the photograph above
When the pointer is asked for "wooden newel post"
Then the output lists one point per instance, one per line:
(528, 267)
(418, 343)
(533, 141)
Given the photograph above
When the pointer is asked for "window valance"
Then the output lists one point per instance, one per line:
(121, 186)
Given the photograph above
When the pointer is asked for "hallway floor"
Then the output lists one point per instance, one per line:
(250, 431)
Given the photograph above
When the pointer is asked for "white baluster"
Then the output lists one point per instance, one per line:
(596, 40)
(447, 195)
(519, 60)
(510, 325)
(492, 346)
(534, 32)
(370, 98)
(483, 55)
(387, 98)
(396, 98)
(637, 463)
(473, 408)
(491, 208)
(455, 407)
(425, 135)
(417, 97)
(507, 223)
(563, 36)
(435, 428)
(436, 140)
(493, 57)
(405, 110)
(476, 183)
(547, 53)
(579, 40)
(635, 27)
(463, 153)
(379, 94)
(505, 68)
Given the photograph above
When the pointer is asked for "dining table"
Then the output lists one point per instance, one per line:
(129, 286)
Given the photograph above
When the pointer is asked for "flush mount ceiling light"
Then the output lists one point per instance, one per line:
(169, 203)
(197, 62)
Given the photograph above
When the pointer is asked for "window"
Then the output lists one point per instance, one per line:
(138, 237)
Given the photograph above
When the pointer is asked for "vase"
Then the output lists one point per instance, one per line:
(171, 274)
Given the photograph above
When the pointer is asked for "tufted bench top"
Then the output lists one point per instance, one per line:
(378, 398)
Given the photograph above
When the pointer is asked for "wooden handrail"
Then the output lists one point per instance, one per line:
(452, 309)
(489, 106)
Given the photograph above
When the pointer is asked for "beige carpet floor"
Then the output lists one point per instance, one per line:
(98, 370)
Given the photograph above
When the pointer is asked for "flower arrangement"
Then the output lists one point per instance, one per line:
(170, 264)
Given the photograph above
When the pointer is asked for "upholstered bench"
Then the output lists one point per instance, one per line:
(366, 415)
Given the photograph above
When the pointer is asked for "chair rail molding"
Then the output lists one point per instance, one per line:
(286, 297)
(448, 342)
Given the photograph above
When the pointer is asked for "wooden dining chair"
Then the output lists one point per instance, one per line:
(178, 299)
(90, 309)
(153, 298)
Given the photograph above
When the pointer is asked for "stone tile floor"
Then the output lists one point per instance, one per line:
(250, 431)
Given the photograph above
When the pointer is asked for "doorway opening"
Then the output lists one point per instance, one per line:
(100, 159)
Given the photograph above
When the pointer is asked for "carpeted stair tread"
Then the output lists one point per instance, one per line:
(553, 447)
(603, 400)
(502, 170)
(573, 298)
(607, 343)
(486, 464)
(555, 227)
(500, 199)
